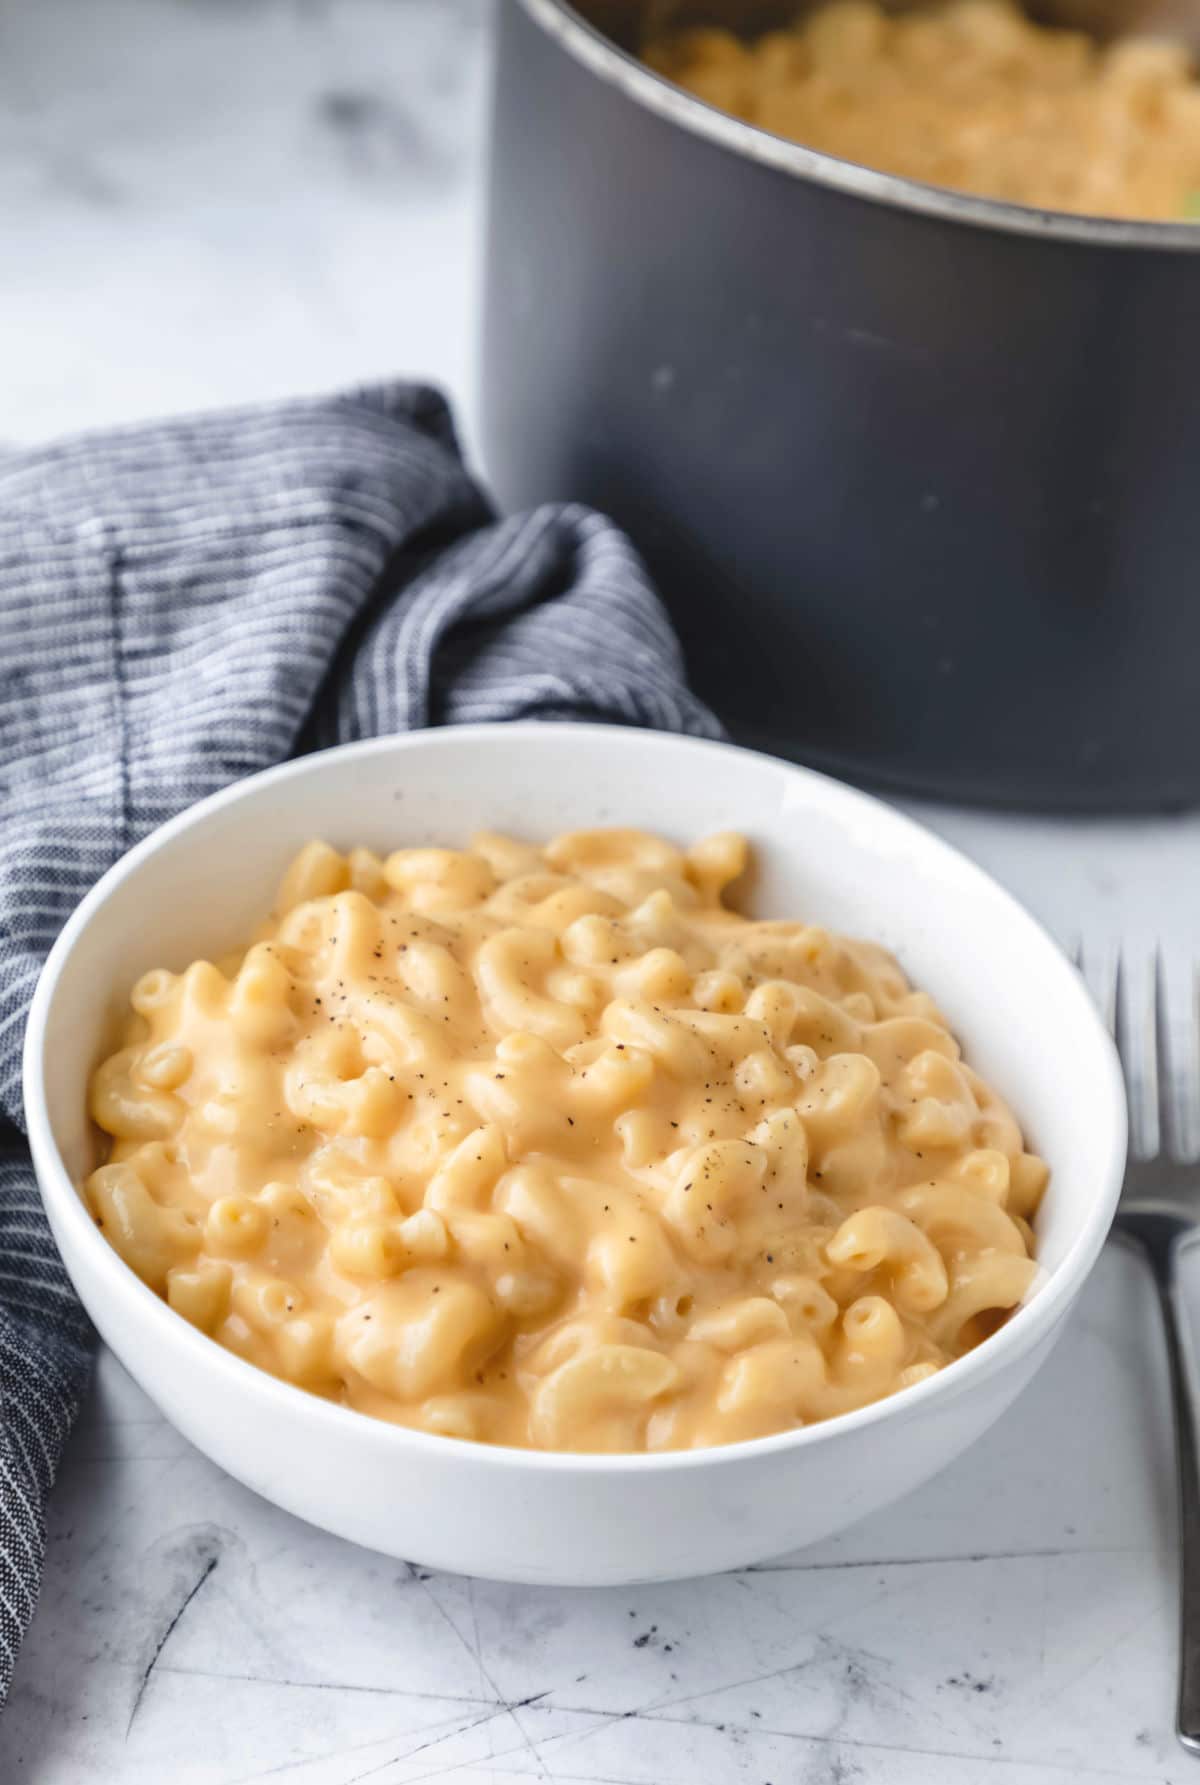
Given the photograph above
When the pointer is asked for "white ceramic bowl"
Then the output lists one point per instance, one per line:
(197, 886)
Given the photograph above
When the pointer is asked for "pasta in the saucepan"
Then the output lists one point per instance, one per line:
(969, 94)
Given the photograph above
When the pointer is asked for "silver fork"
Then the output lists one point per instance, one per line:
(1159, 1213)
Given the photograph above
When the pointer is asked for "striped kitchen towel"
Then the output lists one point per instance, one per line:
(186, 602)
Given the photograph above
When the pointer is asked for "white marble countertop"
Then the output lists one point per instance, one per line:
(206, 201)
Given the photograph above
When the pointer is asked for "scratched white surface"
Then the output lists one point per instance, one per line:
(206, 201)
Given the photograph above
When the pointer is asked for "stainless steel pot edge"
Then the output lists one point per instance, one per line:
(589, 46)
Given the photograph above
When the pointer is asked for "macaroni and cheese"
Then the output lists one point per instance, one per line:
(550, 1147)
(970, 95)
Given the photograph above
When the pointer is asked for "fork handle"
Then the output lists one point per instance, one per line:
(1164, 1261)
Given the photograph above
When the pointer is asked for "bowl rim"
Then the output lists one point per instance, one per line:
(588, 45)
(1032, 1321)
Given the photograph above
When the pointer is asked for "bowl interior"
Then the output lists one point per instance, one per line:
(826, 854)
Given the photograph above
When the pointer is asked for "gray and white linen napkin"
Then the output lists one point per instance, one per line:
(185, 602)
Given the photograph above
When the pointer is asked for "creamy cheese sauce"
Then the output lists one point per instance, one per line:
(550, 1147)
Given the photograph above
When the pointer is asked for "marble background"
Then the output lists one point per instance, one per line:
(206, 201)
(210, 201)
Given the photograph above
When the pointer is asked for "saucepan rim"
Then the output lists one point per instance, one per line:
(606, 59)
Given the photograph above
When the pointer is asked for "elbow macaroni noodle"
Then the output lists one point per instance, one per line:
(549, 1147)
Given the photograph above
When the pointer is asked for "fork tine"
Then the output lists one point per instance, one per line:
(1099, 972)
(1187, 1073)
(1192, 1059)
(1114, 1004)
(1114, 1009)
(1160, 1063)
